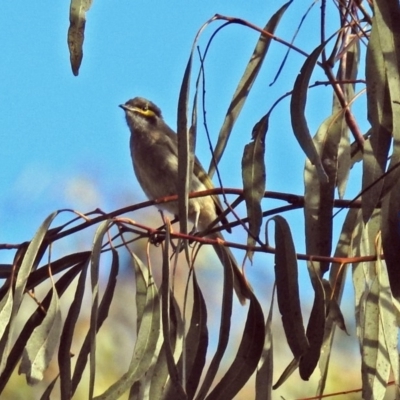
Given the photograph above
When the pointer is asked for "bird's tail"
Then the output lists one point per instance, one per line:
(240, 284)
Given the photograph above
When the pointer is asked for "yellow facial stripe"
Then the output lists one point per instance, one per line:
(146, 113)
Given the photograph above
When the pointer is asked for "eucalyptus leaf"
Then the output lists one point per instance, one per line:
(76, 32)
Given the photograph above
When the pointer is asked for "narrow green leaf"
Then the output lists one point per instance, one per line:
(348, 70)
(364, 273)
(388, 315)
(76, 32)
(94, 277)
(64, 352)
(391, 237)
(247, 357)
(156, 383)
(297, 113)
(336, 277)
(46, 394)
(6, 306)
(318, 210)
(144, 350)
(375, 368)
(387, 16)
(57, 266)
(143, 279)
(153, 383)
(42, 343)
(293, 365)
(27, 264)
(102, 314)
(28, 261)
(319, 196)
(186, 148)
(224, 330)
(287, 287)
(244, 86)
(315, 328)
(266, 365)
(176, 379)
(159, 376)
(34, 320)
(376, 148)
(253, 176)
(196, 341)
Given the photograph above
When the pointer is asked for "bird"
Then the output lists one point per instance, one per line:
(154, 152)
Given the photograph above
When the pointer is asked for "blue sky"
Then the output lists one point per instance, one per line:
(64, 141)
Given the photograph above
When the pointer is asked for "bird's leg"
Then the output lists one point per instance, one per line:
(173, 245)
(195, 222)
(157, 239)
(175, 220)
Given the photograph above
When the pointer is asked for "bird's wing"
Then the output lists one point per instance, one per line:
(204, 178)
(171, 139)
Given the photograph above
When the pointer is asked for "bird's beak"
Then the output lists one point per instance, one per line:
(124, 107)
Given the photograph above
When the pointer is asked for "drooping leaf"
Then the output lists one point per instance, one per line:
(391, 237)
(318, 210)
(247, 357)
(244, 86)
(348, 70)
(287, 288)
(266, 364)
(375, 368)
(364, 273)
(49, 389)
(293, 365)
(166, 302)
(153, 382)
(297, 113)
(196, 341)
(319, 196)
(34, 320)
(336, 281)
(27, 264)
(376, 148)
(28, 261)
(224, 331)
(102, 314)
(64, 352)
(315, 327)
(145, 346)
(94, 278)
(388, 315)
(143, 278)
(387, 15)
(253, 176)
(158, 382)
(186, 148)
(42, 343)
(76, 32)
(57, 266)
(6, 305)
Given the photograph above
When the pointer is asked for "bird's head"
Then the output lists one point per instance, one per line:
(140, 112)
